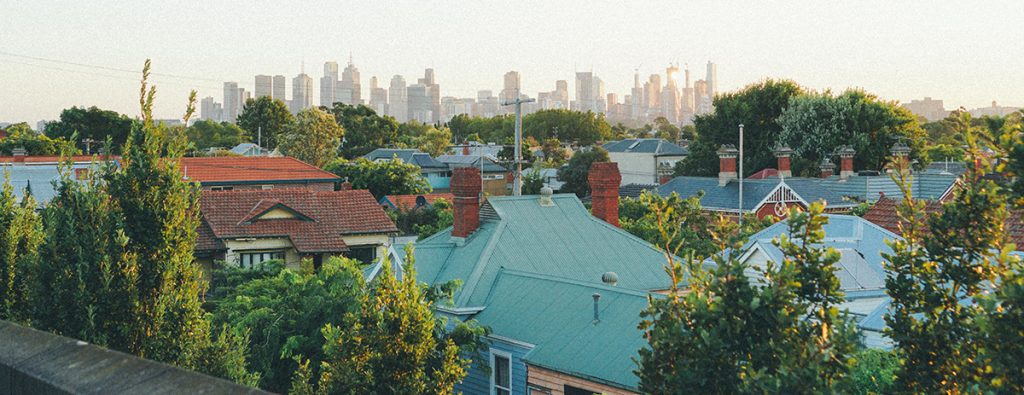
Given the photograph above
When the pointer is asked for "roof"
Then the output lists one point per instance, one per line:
(562, 240)
(41, 173)
(488, 165)
(726, 198)
(252, 169)
(53, 160)
(319, 220)
(883, 213)
(556, 316)
(409, 201)
(413, 156)
(764, 173)
(926, 185)
(249, 149)
(635, 190)
(658, 147)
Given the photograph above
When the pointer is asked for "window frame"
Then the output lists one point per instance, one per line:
(272, 253)
(495, 354)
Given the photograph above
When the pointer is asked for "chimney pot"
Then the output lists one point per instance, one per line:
(465, 187)
(782, 154)
(727, 164)
(827, 168)
(846, 162)
(604, 179)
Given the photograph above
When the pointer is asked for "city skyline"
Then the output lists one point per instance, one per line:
(941, 51)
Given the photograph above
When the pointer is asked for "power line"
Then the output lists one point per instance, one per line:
(125, 78)
(184, 77)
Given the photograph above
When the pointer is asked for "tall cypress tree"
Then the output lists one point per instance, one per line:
(20, 236)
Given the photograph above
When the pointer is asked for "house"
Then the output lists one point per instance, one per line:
(496, 178)
(251, 149)
(245, 227)
(550, 177)
(761, 197)
(406, 202)
(235, 173)
(883, 213)
(530, 268)
(475, 148)
(38, 173)
(645, 161)
(868, 186)
(438, 174)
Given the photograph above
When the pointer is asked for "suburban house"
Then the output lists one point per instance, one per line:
(645, 161)
(256, 172)
(245, 227)
(869, 186)
(762, 197)
(251, 149)
(496, 178)
(560, 288)
(438, 174)
(408, 202)
(883, 213)
(38, 173)
(475, 148)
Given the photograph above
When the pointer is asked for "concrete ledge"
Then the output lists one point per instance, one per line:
(37, 362)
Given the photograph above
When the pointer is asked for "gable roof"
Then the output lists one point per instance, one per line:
(658, 147)
(229, 170)
(883, 213)
(924, 185)
(488, 165)
(405, 202)
(726, 198)
(635, 190)
(413, 156)
(324, 216)
(562, 240)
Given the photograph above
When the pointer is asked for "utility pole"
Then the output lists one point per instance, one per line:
(741, 177)
(259, 137)
(517, 185)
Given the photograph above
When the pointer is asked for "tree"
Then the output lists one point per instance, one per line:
(20, 135)
(435, 142)
(313, 138)
(91, 124)
(584, 128)
(873, 372)
(381, 178)
(423, 221)
(574, 174)
(265, 119)
(756, 107)
(532, 181)
(365, 130)
(209, 134)
(815, 126)
(20, 237)
(693, 233)
(554, 154)
(666, 130)
(119, 269)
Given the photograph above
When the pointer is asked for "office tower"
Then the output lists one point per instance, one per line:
(452, 106)
(264, 86)
(614, 108)
(302, 93)
(652, 93)
(600, 105)
(233, 101)
(328, 85)
(486, 104)
(279, 88)
(589, 93)
(350, 88)
(398, 99)
(420, 107)
(686, 102)
(700, 98)
(510, 91)
(670, 95)
(378, 97)
(712, 80)
(210, 110)
(433, 93)
(637, 106)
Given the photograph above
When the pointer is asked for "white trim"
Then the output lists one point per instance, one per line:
(507, 356)
(460, 310)
(511, 341)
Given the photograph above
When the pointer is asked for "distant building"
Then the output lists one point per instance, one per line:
(232, 172)
(452, 106)
(279, 88)
(487, 104)
(929, 108)
(378, 97)
(38, 173)
(993, 111)
(234, 99)
(302, 93)
(590, 94)
(645, 161)
(419, 100)
(712, 81)
(510, 91)
(495, 178)
(329, 84)
(350, 88)
(398, 102)
(433, 92)
(210, 110)
(264, 86)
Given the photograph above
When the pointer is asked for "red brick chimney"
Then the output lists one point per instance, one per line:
(727, 164)
(466, 186)
(900, 154)
(846, 162)
(465, 148)
(782, 153)
(827, 168)
(604, 180)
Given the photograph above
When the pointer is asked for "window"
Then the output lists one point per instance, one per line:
(501, 373)
(364, 254)
(266, 187)
(221, 188)
(570, 390)
(252, 260)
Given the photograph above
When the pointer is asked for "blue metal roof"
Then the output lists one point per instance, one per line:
(660, 147)
(41, 176)
(455, 161)
(926, 185)
(413, 156)
(754, 191)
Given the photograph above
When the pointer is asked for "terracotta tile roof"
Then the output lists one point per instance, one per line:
(405, 202)
(883, 214)
(327, 216)
(251, 169)
(763, 174)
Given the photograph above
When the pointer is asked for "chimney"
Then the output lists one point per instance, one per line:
(782, 153)
(604, 179)
(346, 186)
(727, 164)
(827, 167)
(846, 162)
(466, 187)
(465, 148)
(900, 153)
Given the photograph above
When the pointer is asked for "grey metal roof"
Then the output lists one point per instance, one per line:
(413, 156)
(455, 161)
(652, 146)
(40, 176)
(927, 185)
(754, 191)
(635, 190)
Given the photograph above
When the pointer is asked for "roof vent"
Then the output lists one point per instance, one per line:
(597, 317)
(610, 278)
(545, 197)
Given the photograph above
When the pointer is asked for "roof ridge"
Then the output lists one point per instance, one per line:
(564, 280)
(480, 265)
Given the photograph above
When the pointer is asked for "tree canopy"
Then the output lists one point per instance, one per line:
(265, 119)
(92, 124)
(365, 130)
(314, 138)
(210, 134)
(20, 135)
(574, 174)
(381, 178)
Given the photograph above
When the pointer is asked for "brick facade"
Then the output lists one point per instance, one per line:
(604, 179)
(466, 186)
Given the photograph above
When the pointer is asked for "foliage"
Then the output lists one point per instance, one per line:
(693, 233)
(666, 130)
(382, 178)
(816, 125)
(265, 120)
(583, 128)
(284, 311)
(776, 333)
(435, 142)
(365, 130)
(554, 154)
(574, 174)
(313, 138)
(532, 181)
(873, 371)
(209, 134)
(497, 129)
(20, 238)
(91, 124)
(423, 221)
(861, 209)
(20, 135)
(756, 107)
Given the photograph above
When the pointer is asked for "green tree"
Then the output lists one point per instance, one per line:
(435, 142)
(872, 371)
(666, 130)
(532, 181)
(584, 128)
(554, 154)
(381, 178)
(20, 238)
(265, 119)
(816, 125)
(757, 107)
(314, 138)
(423, 221)
(693, 233)
(209, 134)
(574, 174)
(92, 124)
(365, 130)
(20, 135)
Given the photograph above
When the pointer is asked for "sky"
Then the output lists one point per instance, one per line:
(58, 54)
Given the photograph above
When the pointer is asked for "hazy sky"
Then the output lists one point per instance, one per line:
(967, 54)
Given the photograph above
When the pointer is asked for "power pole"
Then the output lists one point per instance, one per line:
(517, 185)
(741, 177)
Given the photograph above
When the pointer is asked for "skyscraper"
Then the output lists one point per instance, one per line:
(233, 101)
(700, 97)
(302, 92)
(589, 93)
(398, 103)
(378, 97)
(670, 95)
(279, 88)
(433, 92)
(712, 80)
(349, 89)
(637, 106)
(328, 84)
(510, 91)
(210, 110)
(420, 107)
(264, 85)
(652, 93)
(686, 103)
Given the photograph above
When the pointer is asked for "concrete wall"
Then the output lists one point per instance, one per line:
(36, 362)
